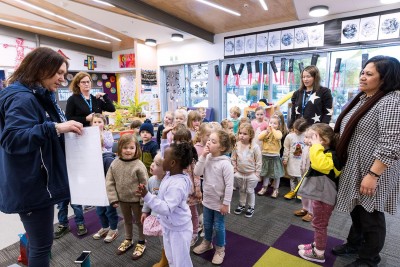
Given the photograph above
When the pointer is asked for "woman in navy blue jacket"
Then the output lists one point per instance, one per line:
(33, 172)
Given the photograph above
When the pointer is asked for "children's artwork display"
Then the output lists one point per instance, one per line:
(389, 26)
(126, 60)
(350, 31)
(369, 28)
(13, 51)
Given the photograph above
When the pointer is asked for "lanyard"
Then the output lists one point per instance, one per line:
(89, 103)
(305, 100)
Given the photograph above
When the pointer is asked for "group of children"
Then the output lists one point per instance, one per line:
(195, 172)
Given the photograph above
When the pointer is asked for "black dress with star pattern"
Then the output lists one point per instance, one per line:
(314, 107)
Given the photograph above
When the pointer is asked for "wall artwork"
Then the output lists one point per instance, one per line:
(90, 63)
(301, 37)
(274, 41)
(389, 26)
(369, 29)
(316, 35)
(250, 44)
(350, 31)
(239, 45)
(287, 39)
(20, 50)
(126, 60)
(229, 47)
(262, 42)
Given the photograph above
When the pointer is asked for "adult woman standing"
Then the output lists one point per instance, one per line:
(33, 171)
(369, 145)
(82, 105)
(311, 101)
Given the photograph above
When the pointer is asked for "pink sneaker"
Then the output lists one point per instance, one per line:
(311, 255)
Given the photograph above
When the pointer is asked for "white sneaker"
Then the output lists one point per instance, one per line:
(101, 233)
(262, 191)
(112, 234)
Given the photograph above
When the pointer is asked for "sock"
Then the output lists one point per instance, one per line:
(141, 242)
(319, 252)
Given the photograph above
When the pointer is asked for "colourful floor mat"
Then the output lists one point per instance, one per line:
(240, 251)
(277, 258)
(295, 235)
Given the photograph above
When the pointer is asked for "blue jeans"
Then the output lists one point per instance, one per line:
(63, 213)
(108, 217)
(213, 219)
(38, 225)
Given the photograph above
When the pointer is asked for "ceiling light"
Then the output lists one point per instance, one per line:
(69, 20)
(177, 37)
(59, 32)
(318, 11)
(219, 7)
(150, 42)
(389, 1)
(263, 4)
(103, 3)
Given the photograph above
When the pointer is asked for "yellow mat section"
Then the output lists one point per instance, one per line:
(276, 258)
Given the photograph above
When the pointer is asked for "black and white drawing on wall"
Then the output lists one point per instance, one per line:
(239, 45)
(301, 37)
(229, 47)
(250, 44)
(262, 42)
(274, 41)
(287, 39)
(316, 35)
(389, 26)
(350, 31)
(369, 29)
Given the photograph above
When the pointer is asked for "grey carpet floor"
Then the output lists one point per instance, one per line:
(272, 217)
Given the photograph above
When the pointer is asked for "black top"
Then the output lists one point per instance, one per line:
(78, 108)
(315, 107)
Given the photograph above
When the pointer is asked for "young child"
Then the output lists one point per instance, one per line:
(306, 212)
(203, 114)
(193, 122)
(171, 206)
(135, 125)
(293, 149)
(235, 113)
(320, 185)
(217, 171)
(108, 139)
(271, 161)
(180, 117)
(168, 121)
(259, 124)
(108, 215)
(227, 125)
(202, 137)
(123, 177)
(284, 128)
(246, 160)
(153, 186)
(147, 145)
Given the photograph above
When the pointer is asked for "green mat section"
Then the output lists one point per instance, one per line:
(276, 258)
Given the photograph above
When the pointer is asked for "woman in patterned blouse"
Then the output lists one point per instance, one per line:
(369, 146)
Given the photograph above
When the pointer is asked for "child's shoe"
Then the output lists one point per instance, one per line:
(311, 255)
(249, 212)
(82, 230)
(262, 191)
(275, 193)
(308, 217)
(218, 255)
(163, 261)
(239, 209)
(300, 212)
(194, 240)
(138, 252)
(306, 246)
(203, 247)
(60, 231)
(290, 195)
(125, 245)
(111, 236)
(101, 233)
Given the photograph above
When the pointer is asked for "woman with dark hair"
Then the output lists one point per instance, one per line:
(33, 169)
(311, 101)
(369, 145)
(81, 105)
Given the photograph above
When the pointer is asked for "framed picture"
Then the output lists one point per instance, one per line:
(301, 37)
(239, 45)
(274, 41)
(350, 31)
(369, 29)
(262, 42)
(250, 44)
(229, 47)
(389, 26)
(316, 35)
(287, 39)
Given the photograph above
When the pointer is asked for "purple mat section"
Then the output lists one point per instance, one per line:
(295, 235)
(240, 251)
(92, 223)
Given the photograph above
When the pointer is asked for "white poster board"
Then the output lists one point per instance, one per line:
(85, 168)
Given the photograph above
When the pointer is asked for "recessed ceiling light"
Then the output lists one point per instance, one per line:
(219, 7)
(318, 11)
(150, 42)
(177, 37)
(103, 3)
